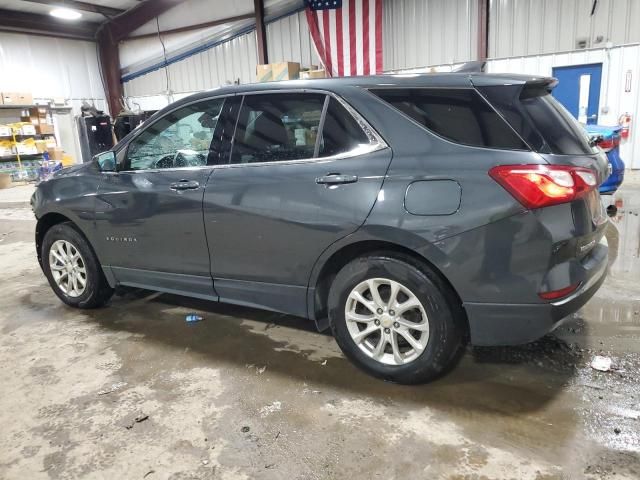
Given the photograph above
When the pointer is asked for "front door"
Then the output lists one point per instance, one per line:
(293, 186)
(579, 90)
(149, 213)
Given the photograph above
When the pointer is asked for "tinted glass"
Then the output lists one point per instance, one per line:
(340, 132)
(540, 119)
(276, 127)
(460, 115)
(179, 139)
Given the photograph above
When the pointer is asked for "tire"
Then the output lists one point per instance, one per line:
(64, 237)
(442, 344)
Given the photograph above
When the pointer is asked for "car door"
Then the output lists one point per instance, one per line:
(149, 212)
(304, 172)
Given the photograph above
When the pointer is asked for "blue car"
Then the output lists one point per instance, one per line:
(608, 138)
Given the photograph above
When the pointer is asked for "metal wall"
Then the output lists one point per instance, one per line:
(528, 27)
(420, 32)
(289, 39)
(224, 64)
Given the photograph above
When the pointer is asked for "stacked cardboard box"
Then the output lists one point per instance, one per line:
(16, 98)
(274, 72)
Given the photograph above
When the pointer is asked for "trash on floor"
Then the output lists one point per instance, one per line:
(192, 318)
(603, 364)
(139, 418)
(112, 388)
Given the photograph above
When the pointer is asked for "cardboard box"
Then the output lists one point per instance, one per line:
(55, 153)
(17, 98)
(5, 131)
(25, 149)
(27, 130)
(313, 74)
(285, 71)
(44, 129)
(264, 73)
(5, 180)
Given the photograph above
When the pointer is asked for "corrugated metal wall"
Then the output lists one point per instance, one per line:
(419, 32)
(614, 100)
(220, 65)
(528, 27)
(289, 39)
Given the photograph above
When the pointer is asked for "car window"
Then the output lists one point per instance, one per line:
(459, 115)
(341, 132)
(277, 127)
(181, 138)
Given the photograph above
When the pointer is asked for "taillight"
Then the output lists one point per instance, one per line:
(556, 294)
(609, 144)
(537, 186)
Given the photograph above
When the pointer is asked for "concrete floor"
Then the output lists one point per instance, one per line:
(252, 394)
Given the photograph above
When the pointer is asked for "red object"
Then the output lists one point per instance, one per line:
(608, 145)
(556, 294)
(625, 122)
(537, 186)
(348, 39)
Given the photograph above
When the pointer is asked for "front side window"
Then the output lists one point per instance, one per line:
(181, 138)
(459, 115)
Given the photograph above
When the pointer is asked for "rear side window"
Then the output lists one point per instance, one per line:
(340, 132)
(540, 119)
(459, 115)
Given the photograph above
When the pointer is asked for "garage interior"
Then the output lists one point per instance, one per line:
(134, 390)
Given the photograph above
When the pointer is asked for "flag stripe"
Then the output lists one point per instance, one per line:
(347, 35)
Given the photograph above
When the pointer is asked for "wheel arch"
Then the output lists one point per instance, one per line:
(334, 259)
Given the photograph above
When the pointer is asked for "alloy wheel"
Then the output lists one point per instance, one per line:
(387, 321)
(67, 268)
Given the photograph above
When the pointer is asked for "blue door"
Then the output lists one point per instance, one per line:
(579, 90)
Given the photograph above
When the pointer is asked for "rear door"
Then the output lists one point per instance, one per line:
(578, 90)
(304, 172)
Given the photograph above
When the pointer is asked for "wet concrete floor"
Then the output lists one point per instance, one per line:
(132, 391)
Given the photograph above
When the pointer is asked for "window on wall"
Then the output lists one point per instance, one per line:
(181, 138)
(459, 115)
(285, 126)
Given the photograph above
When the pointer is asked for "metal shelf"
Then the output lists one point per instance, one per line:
(23, 156)
(19, 107)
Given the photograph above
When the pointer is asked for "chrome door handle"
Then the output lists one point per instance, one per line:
(336, 179)
(185, 185)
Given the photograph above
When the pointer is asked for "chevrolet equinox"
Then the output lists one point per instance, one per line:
(409, 214)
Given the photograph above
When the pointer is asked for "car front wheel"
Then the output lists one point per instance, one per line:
(72, 268)
(395, 318)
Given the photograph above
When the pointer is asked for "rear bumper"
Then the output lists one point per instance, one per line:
(493, 324)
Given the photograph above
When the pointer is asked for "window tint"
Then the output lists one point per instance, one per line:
(277, 127)
(340, 132)
(540, 119)
(460, 115)
(179, 139)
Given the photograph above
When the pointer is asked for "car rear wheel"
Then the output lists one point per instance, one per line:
(396, 318)
(72, 268)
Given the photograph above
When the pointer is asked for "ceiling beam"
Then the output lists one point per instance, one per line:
(82, 6)
(35, 24)
(134, 18)
(199, 26)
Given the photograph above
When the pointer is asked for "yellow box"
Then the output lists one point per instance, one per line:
(264, 73)
(313, 74)
(285, 71)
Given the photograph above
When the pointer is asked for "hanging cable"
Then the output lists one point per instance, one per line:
(164, 53)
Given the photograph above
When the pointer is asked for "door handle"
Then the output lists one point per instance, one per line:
(336, 179)
(184, 185)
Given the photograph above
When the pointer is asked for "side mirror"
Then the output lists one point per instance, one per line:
(106, 161)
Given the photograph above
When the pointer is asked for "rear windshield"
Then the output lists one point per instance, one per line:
(539, 119)
(459, 115)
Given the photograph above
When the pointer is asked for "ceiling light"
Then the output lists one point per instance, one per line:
(65, 13)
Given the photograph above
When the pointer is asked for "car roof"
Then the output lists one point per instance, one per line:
(407, 80)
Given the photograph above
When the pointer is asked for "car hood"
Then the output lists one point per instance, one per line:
(74, 170)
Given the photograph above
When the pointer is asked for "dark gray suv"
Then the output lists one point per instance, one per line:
(407, 213)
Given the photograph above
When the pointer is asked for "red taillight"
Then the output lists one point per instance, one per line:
(556, 294)
(537, 186)
(609, 144)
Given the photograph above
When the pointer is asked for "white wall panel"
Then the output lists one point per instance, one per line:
(527, 27)
(614, 100)
(428, 32)
(221, 65)
(50, 67)
(289, 39)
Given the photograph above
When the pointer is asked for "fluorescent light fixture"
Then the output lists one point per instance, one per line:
(65, 13)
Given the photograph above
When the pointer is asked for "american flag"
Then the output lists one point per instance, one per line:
(347, 35)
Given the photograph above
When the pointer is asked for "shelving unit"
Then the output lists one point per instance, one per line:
(15, 138)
